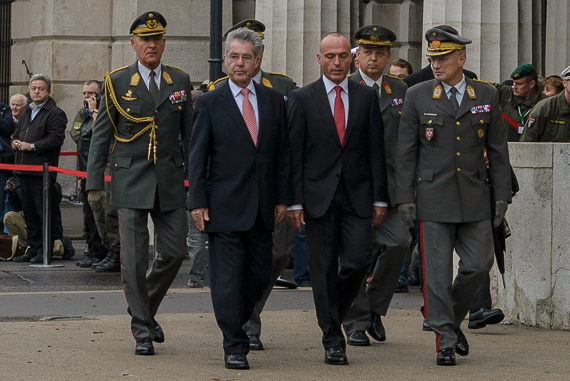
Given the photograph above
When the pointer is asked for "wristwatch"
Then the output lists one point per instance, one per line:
(33, 147)
(95, 110)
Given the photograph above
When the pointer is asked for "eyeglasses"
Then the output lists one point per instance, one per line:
(247, 58)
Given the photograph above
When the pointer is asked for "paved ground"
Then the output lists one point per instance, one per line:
(70, 324)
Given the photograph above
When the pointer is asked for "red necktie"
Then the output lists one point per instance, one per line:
(249, 115)
(339, 114)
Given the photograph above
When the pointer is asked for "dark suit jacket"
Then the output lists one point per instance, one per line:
(439, 158)
(135, 177)
(230, 175)
(318, 158)
(426, 73)
(391, 108)
(46, 131)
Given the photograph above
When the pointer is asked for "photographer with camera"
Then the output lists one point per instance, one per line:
(81, 133)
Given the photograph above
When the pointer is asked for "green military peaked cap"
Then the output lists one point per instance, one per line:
(374, 35)
(149, 24)
(441, 42)
(523, 71)
(257, 26)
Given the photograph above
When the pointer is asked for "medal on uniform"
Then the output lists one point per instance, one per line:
(387, 88)
(480, 133)
(128, 96)
(437, 92)
(429, 133)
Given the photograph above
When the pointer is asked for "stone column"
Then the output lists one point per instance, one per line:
(558, 37)
(294, 31)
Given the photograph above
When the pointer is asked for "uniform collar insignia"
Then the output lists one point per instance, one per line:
(437, 92)
(471, 92)
(135, 79)
(387, 87)
(265, 82)
(166, 77)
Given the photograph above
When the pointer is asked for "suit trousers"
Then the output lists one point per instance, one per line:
(283, 236)
(393, 239)
(447, 300)
(144, 292)
(240, 269)
(483, 297)
(340, 231)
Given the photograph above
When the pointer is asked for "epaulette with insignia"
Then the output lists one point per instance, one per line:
(175, 67)
(281, 74)
(212, 85)
(488, 83)
(116, 70)
(395, 77)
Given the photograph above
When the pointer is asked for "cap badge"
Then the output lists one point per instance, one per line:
(248, 24)
(434, 34)
(480, 133)
(429, 133)
(374, 38)
(516, 75)
(437, 92)
(150, 15)
(151, 24)
(375, 29)
(435, 44)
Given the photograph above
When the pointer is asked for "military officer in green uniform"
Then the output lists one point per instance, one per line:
(447, 124)
(283, 234)
(549, 120)
(145, 108)
(391, 236)
(516, 101)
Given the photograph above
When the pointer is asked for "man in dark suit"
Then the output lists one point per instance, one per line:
(391, 239)
(240, 184)
(339, 184)
(146, 107)
(447, 124)
(426, 73)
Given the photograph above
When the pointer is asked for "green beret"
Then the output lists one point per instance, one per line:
(149, 24)
(523, 71)
(374, 35)
(441, 42)
(257, 26)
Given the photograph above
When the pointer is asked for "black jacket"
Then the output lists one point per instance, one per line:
(46, 132)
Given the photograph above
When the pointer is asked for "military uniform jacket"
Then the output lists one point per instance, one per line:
(439, 158)
(392, 96)
(136, 178)
(549, 121)
(279, 82)
(510, 107)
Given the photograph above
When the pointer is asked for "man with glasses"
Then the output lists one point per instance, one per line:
(441, 177)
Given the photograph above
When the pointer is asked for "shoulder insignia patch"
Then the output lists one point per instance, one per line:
(167, 78)
(265, 82)
(488, 83)
(135, 79)
(393, 76)
(175, 67)
(387, 87)
(437, 92)
(77, 125)
(471, 92)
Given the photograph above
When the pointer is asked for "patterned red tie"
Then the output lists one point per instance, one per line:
(249, 115)
(339, 114)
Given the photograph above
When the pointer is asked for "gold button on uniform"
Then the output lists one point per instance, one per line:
(420, 179)
(458, 169)
(458, 138)
(116, 165)
(481, 121)
(458, 123)
(156, 111)
(179, 107)
(458, 153)
(128, 110)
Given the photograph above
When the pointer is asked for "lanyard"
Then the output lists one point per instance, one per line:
(523, 116)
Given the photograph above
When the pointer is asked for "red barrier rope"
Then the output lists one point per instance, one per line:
(68, 154)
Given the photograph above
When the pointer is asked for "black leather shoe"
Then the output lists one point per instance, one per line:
(358, 339)
(255, 343)
(112, 264)
(446, 357)
(158, 332)
(236, 361)
(68, 249)
(484, 316)
(88, 262)
(335, 356)
(95, 265)
(462, 346)
(376, 328)
(401, 288)
(24, 258)
(37, 259)
(144, 347)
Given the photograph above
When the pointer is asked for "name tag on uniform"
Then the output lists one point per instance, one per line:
(480, 109)
(557, 121)
(521, 129)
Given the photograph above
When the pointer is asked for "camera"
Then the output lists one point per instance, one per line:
(10, 187)
(97, 102)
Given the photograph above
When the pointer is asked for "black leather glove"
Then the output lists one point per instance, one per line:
(407, 213)
(500, 210)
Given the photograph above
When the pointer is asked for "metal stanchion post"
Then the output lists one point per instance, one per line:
(46, 221)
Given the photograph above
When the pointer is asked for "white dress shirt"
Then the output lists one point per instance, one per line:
(461, 86)
(145, 74)
(238, 96)
(370, 82)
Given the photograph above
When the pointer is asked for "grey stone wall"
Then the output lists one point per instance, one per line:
(537, 261)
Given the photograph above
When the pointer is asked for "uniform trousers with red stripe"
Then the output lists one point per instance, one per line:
(448, 300)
